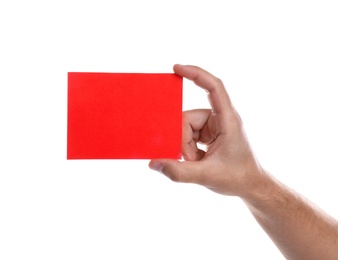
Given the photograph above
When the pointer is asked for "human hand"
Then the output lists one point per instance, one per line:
(228, 166)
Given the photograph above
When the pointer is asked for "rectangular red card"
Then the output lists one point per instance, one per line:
(124, 116)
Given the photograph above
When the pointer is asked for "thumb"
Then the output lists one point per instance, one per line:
(187, 171)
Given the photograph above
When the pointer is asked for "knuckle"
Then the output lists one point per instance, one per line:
(187, 156)
(218, 82)
(174, 176)
(236, 120)
(172, 173)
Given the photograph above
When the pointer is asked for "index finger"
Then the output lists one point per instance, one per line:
(218, 96)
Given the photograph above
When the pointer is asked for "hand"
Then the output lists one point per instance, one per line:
(228, 166)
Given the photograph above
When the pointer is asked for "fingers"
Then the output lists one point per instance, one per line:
(188, 172)
(197, 126)
(218, 97)
(193, 122)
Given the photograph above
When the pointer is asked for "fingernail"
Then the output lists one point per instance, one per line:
(156, 166)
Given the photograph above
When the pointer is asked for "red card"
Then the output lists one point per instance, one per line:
(124, 116)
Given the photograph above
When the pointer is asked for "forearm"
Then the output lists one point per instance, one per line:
(298, 228)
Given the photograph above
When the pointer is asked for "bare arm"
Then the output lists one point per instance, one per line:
(229, 167)
(298, 228)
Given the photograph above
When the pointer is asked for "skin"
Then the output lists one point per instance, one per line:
(229, 167)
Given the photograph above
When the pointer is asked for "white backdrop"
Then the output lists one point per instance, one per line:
(279, 62)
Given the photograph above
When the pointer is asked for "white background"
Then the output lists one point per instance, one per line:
(279, 62)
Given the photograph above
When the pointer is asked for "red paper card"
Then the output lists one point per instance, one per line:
(124, 116)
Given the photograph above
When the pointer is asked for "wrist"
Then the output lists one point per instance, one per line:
(260, 189)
